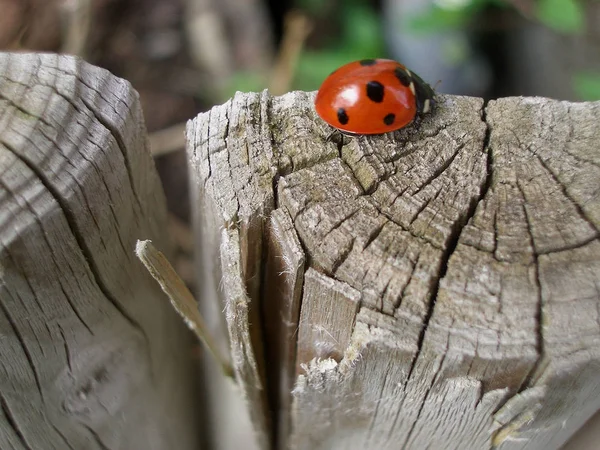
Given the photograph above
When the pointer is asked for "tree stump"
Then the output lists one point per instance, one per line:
(91, 355)
(437, 287)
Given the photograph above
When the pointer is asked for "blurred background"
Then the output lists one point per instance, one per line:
(183, 56)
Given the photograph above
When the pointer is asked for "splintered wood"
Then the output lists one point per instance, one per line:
(432, 288)
(91, 355)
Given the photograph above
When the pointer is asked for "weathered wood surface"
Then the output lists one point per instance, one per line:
(91, 355)
(587, 437)
(442, 284)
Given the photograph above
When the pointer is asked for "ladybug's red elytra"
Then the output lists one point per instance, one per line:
(373, 96)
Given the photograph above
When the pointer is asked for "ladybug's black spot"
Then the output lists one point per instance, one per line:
(367, 62)
(375, 91)
(404, 78)
(389, 119)
(342, 116)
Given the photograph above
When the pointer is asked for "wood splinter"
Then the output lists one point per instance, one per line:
(181, 298)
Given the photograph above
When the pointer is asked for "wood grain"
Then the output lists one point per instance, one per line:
(91, 356)
(450, 298)
(280, 302)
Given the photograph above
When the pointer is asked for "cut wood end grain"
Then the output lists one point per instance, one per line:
(448, 269)
(90, 355)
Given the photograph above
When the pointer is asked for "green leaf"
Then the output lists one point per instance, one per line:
(314, 67)
(436, 20)
(360, 37)
(587, 85)
(561, 15)
(362, 31)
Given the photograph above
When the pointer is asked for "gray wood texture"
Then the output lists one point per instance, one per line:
(448, 275)
(91, 354)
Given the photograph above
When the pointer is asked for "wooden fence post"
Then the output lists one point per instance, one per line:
(433, 288)
(91, 354)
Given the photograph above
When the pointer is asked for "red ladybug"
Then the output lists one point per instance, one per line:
(373, 96)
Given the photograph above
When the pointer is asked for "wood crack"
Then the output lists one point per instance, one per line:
(60, 283)
(465, 337)
(93, 164)
(24, 346)
(409, 231)
(82, 244)
(445, 258)
(440, 170)
(571, 138)
(24, 111)
(83, 194)
(12, 421)
(452, 244)
(111, 129)
(96, 438)
(398, 301)
(32, 290)
(62, 436)
(422, 405)
(374, 235)
(563, 248)
(67, 351)
(208, 162)
(343, 256)
(396, 157)
(352, 174)
(60, 280)
(379, 399)
(529, 379)
(564, 191)
(422, 208)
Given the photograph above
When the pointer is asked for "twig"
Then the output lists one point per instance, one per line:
(167, 140)
(181, 298)
(208, 41)
(297, 28)
(77, 17)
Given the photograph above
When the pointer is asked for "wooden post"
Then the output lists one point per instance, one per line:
(436, 287)
(91, 354)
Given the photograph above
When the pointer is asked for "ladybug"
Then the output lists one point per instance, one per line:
(373, 96)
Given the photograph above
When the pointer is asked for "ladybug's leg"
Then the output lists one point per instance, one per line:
(418, 120)
(333, 135)
(411, 131)
(339, 137)
(416, 123)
